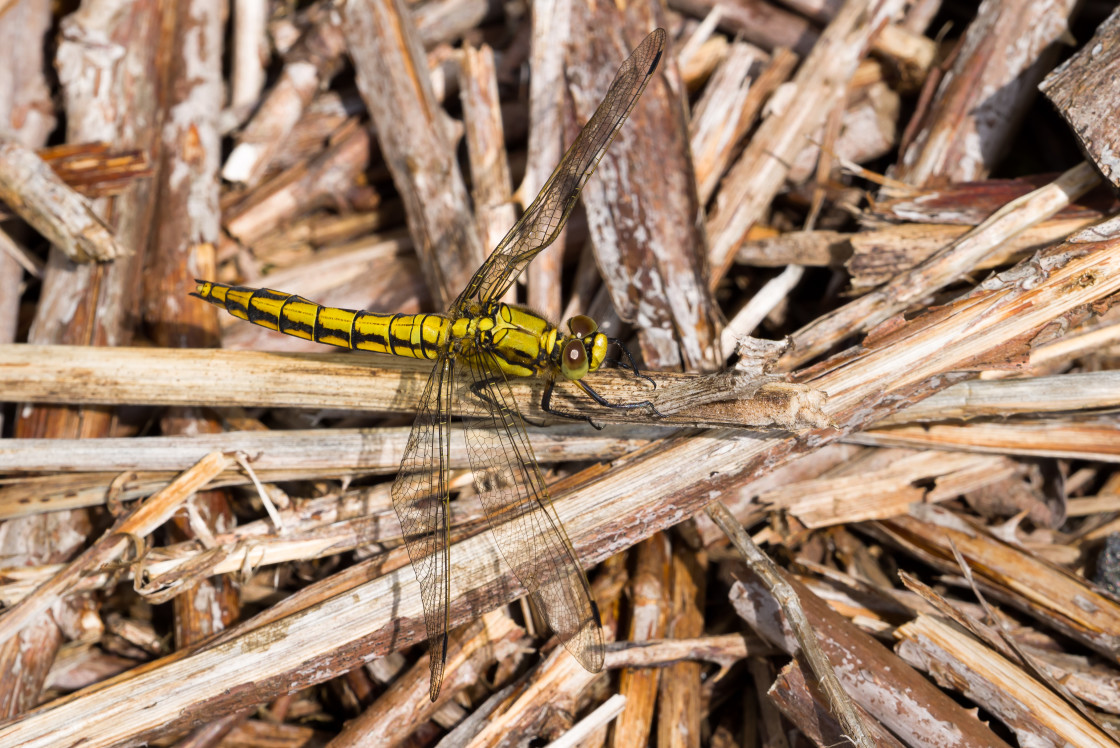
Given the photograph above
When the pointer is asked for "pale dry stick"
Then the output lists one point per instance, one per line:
(597, 720)
(31, 265)
(262, 493)
(67, 219)
(1083, 90)
(131, 468)
(1059, 438)
(900, 698)
(981, 398)
(760, 564)
(113, 98)
(913, 53)
(1042, 589)
(185, 231)
(79, 374)
(884, 492)
(957, 660)
(444, 22)
(1069, 347)
(308, 183)
(139, 524)
(941, 269)
(880, 254)
(1007, 641)
(773, 75)
(558, 680)
(461, 735)
(723, 650)
(249, 53)
(714, 124)
(648, 583)
(376, 451)
(1102, 503)
(821, 248)
(232, 553)
(650, 250)
(11, 281)
(801, 705)
(679, 694)
(381, 267)
(768, 26)
(982, 97)
(491, 184)
(698, 67)
(761, 304)
(699, 36)
(551, 36)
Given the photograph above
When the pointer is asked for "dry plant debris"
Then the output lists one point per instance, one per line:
(887, 518)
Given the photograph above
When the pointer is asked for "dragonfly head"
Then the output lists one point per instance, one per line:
(585, 350)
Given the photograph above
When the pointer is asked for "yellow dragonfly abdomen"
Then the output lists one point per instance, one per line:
(410, 335)
(520, 342)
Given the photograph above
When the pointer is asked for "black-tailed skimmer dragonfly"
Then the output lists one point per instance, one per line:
(481, 342)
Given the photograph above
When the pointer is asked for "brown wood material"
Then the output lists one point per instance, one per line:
(491, 185)
(1001, 58)
(802, 705)
(381, 383)
(678, 719)
(30, 188)
(819, 85)
(550, 133)
(1025, 704)
(943, 482)
(27, 116)
(185, 234)
(1083, 90)
(763, 24)
(1065, 280)
(392, 76)
(655, 248)
(649, 585)
(308, 65)
(872, 675)
(722, 117)
(112, 98)
(941, 268)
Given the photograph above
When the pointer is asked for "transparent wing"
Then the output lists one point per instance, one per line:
(543, 220)
(420, 496)
(525, 524)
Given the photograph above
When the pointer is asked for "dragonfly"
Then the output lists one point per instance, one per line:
(477, 346)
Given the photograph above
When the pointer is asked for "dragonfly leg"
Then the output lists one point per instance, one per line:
(479, 389)
(546, 406)
(633, 366)
(620, 406)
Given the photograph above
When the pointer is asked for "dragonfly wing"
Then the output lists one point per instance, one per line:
(543, 219)
(420, 496)
(521, 515)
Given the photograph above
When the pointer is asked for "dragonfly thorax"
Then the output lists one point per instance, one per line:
(523, 343)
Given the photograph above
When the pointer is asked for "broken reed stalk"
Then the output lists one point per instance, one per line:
(759, 563)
